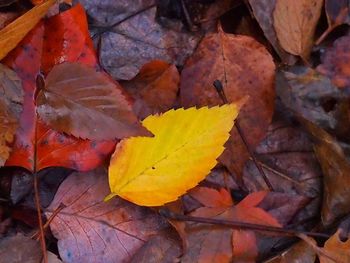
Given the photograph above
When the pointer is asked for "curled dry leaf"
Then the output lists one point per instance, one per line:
(155, 171)
(90, 230)
(263, 10)
(61, 38)
(295, 23)
(246, 69)
(336, 174)
(80, 101)
(154, 88)
(14, 32)
(11, 101)
(136, 37)
(336, 63)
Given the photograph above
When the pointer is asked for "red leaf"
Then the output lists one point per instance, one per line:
(61, 38)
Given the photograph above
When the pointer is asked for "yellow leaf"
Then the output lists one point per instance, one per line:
(152, 171)
(14, 32)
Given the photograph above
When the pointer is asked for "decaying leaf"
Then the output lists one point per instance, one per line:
(13, 33)
(186, 143)
(90, 230)
(336, 63)
(85, 103)
(263, 10)
(246, 69)
(213, 243)
(154, 88)
(295, 23)
(11, 101)
(307, 92)
(136, 37)
(336, 174)
(62, 38)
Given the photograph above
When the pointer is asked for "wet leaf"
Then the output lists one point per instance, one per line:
(154, 88)
(295, 23)
(214, 243)
(11, 105)
(80, 101)
(263, 10)
(90, 230)
(335, 63)
(62, 38)
(186, 143)
(336, 174)
(136, 37)
(13, 33)
(245, 68)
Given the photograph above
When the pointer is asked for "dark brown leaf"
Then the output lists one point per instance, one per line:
(90, 230)
(336, 174)
(246, 69)
(11, 105)
(137, 38)
(336, 63)
(154, 89)
(85, 103)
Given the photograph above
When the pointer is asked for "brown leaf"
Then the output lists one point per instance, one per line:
(336, 174)
(245, 68)
(262, 10)
(85, 103)
(163, 248)
(295, 23)
(11, 105)
(154, 88)
(337, 249)
(214, 243)
(13, 33)
(136, 37)
(90, 230)
(335, 63)
(19, 249)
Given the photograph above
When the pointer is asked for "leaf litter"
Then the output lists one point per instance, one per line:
(169, 54)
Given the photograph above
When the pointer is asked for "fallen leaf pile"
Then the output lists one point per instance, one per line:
(174, 131)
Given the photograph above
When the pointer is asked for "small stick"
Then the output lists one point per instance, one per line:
(220, 89)
(237, 224)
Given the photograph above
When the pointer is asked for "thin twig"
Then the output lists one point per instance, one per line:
(41, 228)
(220, 89)
(237, 224)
